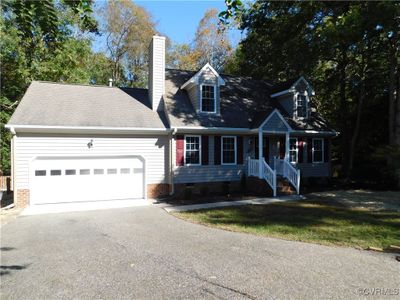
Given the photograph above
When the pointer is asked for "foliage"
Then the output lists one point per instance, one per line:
(35, 44)
(347, 50)
(129, 29)
(211, 45)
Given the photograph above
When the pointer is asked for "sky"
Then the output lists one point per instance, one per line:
(177, 19)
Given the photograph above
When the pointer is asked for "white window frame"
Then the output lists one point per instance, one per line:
(184, 152)
(297, 150)
(215, 99)
(322, 150)
(222, 152)
(306, 104)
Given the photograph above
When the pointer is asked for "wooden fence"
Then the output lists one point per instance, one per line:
(5, 183)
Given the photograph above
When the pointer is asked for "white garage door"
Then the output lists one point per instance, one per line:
(58, 180)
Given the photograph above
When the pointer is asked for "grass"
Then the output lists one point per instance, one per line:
(332, 219)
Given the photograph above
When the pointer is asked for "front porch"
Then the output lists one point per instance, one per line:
(273, 156)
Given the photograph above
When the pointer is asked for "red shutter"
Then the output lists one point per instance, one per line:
(180, 150)
(300, 146)
(217, 150)
(282, 147)
(204, 149)
(266, 149)
(309, 150)
(239, 153)
(327, 144)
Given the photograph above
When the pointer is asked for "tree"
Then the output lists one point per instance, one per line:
(348, 50)
(129, 29)
(36, 44)
(211, 45)
(182, 57)
(211, 41)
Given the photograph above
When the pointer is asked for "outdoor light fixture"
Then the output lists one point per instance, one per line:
(90, 144)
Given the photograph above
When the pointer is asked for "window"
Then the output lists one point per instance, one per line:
(40, 172)
(55, 172)
(293, 150)
(301, 105)
(111, 171)
(318, 150)
(125, 171)
(70, 172)
(192, 150)
(207, 98)
(98, 171)
(228, 149)
(84, 171)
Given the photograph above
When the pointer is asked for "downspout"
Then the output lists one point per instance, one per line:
(171, 163)
(14, 136)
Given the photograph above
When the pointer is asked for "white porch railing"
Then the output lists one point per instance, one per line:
(253, 167)
(266, 172)
(269, 175)
(285, 168)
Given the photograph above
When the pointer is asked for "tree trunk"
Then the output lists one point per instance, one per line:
(393, 111)
(360, 104)
(343, 110)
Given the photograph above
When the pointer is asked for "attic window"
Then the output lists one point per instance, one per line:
(207, 98)
(301, 105)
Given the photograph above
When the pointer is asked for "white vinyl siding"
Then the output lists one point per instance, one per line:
(153, 149)
(210, 172)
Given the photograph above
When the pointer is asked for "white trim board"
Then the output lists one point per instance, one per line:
(276, 111)
(195, 77)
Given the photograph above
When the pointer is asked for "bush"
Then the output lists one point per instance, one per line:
(243, 183)
(204, 191)
(188, 193)
(225, 188)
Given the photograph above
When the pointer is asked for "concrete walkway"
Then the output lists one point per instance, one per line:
(256, 201)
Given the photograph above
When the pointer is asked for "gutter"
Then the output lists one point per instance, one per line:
(85, 129)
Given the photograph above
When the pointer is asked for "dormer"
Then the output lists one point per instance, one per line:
(295, 96)
(204, 90)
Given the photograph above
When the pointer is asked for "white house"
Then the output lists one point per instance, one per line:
(74, 143)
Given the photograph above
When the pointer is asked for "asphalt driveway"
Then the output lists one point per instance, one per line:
(145, 253)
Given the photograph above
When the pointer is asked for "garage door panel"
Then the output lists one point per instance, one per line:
(59, 180)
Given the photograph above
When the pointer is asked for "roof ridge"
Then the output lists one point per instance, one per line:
(75, 84)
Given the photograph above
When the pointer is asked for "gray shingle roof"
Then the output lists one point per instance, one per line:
(241, 97)
(55, 104)
(245, 103)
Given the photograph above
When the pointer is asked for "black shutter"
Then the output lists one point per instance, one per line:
(309, 150)
(327, 154)
(300, 146)
(239, 152)
(217, 150)
(204, 149)
(282, 147)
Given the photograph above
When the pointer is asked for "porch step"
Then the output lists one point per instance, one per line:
(284, 187)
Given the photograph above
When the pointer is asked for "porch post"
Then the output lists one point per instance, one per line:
(260, 152)
(287, 146)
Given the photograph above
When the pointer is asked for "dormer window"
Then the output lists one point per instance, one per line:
(208, 99)
(301, 103)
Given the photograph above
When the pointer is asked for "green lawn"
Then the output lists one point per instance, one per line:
(332, 219)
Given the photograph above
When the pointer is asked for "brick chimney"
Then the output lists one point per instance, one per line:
(156, 71)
